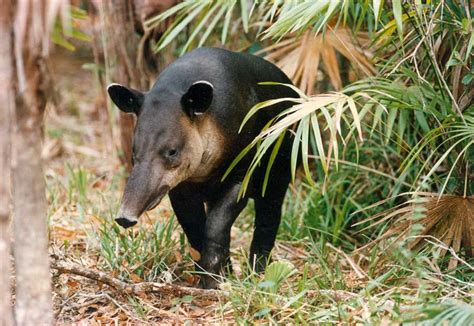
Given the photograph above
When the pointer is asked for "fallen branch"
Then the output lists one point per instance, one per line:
(137, 288)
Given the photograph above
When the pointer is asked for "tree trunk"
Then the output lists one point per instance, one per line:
(120, 37)
(33, 304)
(7, 103)
(132, 61)
(33, 280)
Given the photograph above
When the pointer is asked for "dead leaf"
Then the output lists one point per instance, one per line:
(195, 255)
(135, 278)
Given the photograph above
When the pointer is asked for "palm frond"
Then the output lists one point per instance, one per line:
(298, 17)
(447, 218)
(300, 57)
(449, 312)
(312, 116)
(204, 16)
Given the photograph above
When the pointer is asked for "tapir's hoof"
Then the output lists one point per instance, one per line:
(208, 282)
(125, 221)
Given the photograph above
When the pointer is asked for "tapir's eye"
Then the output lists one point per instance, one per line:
(172, 157)
(172, 153)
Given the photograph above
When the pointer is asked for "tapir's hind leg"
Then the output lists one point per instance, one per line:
(268, 213)
(191, 214)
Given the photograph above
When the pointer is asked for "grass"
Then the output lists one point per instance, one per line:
(324, 288)
(136, 255)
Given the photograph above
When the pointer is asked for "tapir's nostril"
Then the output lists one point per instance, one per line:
(126, 222)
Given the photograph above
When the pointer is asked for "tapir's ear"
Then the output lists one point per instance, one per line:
(128, 100)
(198, 98)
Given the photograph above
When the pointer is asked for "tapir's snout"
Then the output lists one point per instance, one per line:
(126, 221)
(125, 218)
(143, 192)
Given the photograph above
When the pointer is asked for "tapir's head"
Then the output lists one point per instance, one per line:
(171, 142)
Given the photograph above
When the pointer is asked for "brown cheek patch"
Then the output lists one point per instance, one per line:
(172, 178)
(213, 144)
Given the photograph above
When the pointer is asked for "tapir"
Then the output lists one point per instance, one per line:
(186, 136)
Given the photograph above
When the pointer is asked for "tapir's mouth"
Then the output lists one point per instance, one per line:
(157, 200)
(154, 203)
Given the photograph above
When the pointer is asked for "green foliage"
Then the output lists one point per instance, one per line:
(272, 19)
(207, 13)
(412, 106)
(324, 289)
(61, 33)
(333, 110)
(275, 274)
(450, 313)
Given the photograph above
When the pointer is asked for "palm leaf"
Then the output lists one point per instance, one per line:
(447, 218)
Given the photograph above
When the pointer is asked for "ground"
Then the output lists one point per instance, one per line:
(310, 280)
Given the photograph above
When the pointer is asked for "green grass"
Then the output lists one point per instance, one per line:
(407, 288)
(142, 252)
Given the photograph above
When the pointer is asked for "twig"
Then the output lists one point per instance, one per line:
(137, 288)
(78, 306)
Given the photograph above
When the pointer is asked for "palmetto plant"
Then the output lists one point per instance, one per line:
(300, 57)
(419, 100)
(209, 14)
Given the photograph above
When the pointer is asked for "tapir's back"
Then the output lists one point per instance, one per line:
(235, 78)
(232, 74)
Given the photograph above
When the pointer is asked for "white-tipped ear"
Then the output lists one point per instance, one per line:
(128, 100)
(112, 85)
(204, 82)
(198, 98)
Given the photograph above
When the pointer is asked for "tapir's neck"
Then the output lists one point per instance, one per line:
(213, 149)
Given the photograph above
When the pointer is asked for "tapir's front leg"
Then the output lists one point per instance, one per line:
(222, 212)
(189, 209)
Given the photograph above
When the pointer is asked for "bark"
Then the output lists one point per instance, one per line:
(33, 283)
(33, 304)
(121, 37)
(7, 103)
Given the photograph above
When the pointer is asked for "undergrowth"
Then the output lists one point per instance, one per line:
(315, 275)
